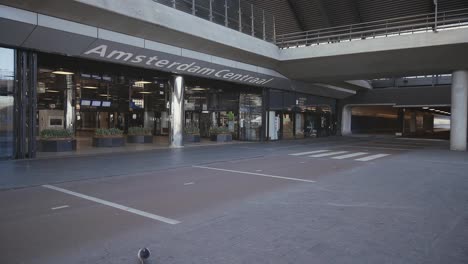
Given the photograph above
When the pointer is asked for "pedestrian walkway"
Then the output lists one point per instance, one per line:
(340, 155)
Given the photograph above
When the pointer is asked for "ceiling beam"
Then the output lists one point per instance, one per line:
(300, 21)
(355, 5)
(323, 11)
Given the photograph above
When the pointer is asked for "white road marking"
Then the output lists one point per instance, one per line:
(310, 152)
(350, 155)
(114, 205)
(328, 154)
(256, 174)
(372, 157)
(189, 183)
(368, 147)
(59, 207)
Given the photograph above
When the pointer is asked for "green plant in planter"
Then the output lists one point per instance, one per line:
(191, 129)
(230, 116)
(108, 132)
(56, 133)
(219, 130)
(139, 131)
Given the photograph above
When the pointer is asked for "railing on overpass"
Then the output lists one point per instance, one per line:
(235, 14)
(376, 29)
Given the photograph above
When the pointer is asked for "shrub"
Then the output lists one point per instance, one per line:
(219, 130)
(56, 133)
(191, 129)
(139, 131)
(102, 132)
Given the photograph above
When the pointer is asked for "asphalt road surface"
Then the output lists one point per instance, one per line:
(332, 200)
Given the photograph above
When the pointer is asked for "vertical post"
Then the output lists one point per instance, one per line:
(436, 15)
(274, 29)
(193, 8)
(252, 19)
(177, 111)
(173, 4)
(459, 111)
(263, 24)
(226, 17)
(211, 10)
(32, 96)
(21, 106)
(240, 16)
(346, 116)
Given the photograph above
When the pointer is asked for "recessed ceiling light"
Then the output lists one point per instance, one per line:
(142, 82)
(89, 87)
(60, 72)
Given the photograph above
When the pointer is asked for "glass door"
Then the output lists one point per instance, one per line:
(7, 73)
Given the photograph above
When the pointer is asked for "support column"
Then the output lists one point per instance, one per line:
(346, 121)
(458, 120)
(176, 136)
(413, 121)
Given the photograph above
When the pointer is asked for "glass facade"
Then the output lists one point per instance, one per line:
(294, 115)
(83, 96)
(7, 77)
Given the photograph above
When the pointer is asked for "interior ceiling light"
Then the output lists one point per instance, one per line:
(61, 72)
(104, 94)
(142, 82)
(198, 89)
(426, 107)
(89, 87)
(145, 92)
(52, 91)
(432, 109)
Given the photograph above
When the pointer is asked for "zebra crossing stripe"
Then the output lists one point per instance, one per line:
(310, 152)
(372, 157)
(328, 154)
(350, 155)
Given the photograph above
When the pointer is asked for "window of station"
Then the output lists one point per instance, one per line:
(83, 96)
(7, 77)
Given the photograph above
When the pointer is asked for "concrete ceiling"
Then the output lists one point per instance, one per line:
(303, 15)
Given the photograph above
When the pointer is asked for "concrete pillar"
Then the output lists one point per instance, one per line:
(346, 121)
(412, 124)
(176, 136)
(458, 120)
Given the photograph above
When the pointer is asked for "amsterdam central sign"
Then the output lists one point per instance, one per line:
(129, 55)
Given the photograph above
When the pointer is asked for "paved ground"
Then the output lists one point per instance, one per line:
(333, 200)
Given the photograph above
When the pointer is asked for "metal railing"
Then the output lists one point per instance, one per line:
(235, 14)
(375, 29)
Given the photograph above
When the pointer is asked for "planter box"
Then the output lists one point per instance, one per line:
(141, 139)
(221, 137)
(57, 145)
(108, 142)
(191, 138)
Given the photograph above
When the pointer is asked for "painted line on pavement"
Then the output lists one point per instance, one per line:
(369, 147)
(114, 205)
(59, 207)
(372, 157)
(309, 152)
(256, 174)
(328, 154)
(350, 155)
